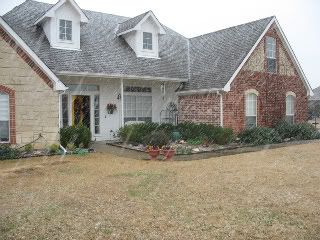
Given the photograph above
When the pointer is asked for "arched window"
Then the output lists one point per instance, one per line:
(290, 107)
(251, 108)
(4, 117)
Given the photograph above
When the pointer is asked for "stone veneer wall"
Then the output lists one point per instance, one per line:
(36, 104)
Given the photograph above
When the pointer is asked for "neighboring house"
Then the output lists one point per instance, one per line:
(315, 99)
(61, 65)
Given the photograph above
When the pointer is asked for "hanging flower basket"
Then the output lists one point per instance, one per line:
(111, 107)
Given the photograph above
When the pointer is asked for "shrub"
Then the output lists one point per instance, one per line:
(259, 136)
(135, 133)
(221, 135)
(53, 148)
(304, 131)
(6, 152)
(28, 148)
(77, 135)
(71, 147)
(300, 131)
(196, 141)
(157, 138)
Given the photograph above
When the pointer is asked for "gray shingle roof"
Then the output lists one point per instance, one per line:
(316, 96)
(213, 57)
(130, 23)
(101, 50)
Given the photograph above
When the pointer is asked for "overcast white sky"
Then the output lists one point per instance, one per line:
(299, 19)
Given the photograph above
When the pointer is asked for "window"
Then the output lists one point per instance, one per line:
(137, 108)
(96, 114)
(251, 110)
(65, 30)
(271, 55)
(147, 40)
(290, 102)
(4, 117)
(64, 110)
(83, 87)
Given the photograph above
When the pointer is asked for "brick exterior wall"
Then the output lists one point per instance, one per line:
(12, 112)
(36, 104)
(272, 88)
(203, 108)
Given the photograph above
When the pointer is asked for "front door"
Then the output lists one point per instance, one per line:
(81, 110)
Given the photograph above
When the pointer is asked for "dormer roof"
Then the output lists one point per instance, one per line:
(51, 12)
(135, 23)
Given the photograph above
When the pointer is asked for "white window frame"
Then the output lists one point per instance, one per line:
(291, 95)
(147, 41)
(9, 136)
(256, 94)
(65, 30)
(271, 47)
(136, 94)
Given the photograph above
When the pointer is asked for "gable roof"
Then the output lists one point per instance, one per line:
(50, 12)
(316, 96)
(133, 23)
(214, 57)
(56, 83)
(102, 52)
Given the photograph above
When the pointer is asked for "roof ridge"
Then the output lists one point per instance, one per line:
(136, 16)
(271, 17)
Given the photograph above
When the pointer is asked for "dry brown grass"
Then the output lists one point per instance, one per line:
(272, 194)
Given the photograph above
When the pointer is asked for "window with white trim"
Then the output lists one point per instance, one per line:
(4, 117)
(65, 30)
(271, 54)
(251, 110)
(147, 40)
(137, 104)
(290, 108)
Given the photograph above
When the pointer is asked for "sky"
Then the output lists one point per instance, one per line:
(299, 19)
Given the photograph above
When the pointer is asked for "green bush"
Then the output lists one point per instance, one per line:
(6, 152)
(77, 135)
(28, 148)
(189, 131)
(135, 133)
(53, 148)
(157, 138)
(300, 131)
(196, 141)
(304, 131)
(260, 136)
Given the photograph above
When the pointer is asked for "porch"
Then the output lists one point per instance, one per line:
(128, 100)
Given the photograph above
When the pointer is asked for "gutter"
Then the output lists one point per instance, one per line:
(201, 91)
(123, 76)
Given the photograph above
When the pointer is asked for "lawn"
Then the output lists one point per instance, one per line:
(271, 194)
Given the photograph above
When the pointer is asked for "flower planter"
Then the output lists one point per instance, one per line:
(168, 154)
(153, 154)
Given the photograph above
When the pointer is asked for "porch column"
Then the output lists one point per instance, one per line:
(122, 105)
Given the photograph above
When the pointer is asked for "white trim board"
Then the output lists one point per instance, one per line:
(57, 84)
(50, 12)
(124, 77)
(289, 50)
(138, 25)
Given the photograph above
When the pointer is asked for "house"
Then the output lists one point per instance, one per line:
(315, 99)
(61, 65)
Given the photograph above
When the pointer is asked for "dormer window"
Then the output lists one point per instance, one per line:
(271, 55)
(65, 30)
(147, 40)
